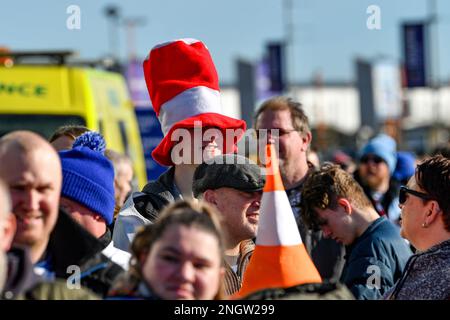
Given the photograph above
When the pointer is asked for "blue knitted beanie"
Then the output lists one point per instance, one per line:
(383, 146)
(88, 176)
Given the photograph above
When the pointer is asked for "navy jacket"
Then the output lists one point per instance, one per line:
(375, 261)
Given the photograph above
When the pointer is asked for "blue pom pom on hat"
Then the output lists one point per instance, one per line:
(88, 176)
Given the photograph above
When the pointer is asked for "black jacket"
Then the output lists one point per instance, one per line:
(142, 208)
(309, 291)
(22, 283)
(158, 194)
(20, 277)
(71, 245)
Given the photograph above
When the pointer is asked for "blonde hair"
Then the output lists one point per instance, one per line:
(299, 119)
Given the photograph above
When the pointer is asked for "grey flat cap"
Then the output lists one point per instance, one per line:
(228, 170)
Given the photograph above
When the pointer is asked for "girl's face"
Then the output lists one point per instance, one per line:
(185, 263)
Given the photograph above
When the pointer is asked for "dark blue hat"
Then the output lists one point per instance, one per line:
(406, 166)
(228, 170)
(88, 176)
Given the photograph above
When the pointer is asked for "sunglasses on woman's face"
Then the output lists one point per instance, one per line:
(403, 195)
(371, 158)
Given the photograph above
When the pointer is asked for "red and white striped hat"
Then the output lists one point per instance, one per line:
(183, 86)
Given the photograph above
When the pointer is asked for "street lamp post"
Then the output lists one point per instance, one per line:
(112, 13)
(130, 27)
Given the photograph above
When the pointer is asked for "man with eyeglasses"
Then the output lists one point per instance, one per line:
(287, 125)
(377, 163)
(425, 205)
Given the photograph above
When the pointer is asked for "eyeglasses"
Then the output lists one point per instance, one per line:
(374, 158)
(281, 132)
(403, 194)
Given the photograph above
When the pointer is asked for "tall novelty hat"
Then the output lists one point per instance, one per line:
(183, 86)
(280, 259)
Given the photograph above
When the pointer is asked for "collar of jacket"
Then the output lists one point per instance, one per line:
(299, 185)
(71, 244)
(246, 247)
(366, 233)
(156, 195)
(164, 183)
(106, 238)
(21, 276)
(443, 246)
(233, 280)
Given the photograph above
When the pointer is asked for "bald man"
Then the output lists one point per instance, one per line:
(32, 170)
(17, 279)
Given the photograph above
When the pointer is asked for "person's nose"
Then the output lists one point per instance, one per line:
(187, 272)
(30, 199)
(257, 196)
(270, 137)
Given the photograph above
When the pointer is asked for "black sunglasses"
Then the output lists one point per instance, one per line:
(376, 159)
(402, 196)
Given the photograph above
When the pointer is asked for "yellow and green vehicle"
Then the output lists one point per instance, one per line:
(43, 97)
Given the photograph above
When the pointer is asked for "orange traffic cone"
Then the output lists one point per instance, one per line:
(280, 259)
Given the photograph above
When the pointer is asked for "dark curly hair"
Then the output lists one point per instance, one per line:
(433, 176)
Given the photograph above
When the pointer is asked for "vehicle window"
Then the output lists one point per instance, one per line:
(124, 138)
(44, 125)
(100, 127)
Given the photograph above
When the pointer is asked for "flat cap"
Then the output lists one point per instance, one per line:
(228, 170)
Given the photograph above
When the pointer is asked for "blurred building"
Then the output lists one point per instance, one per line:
(335, 115)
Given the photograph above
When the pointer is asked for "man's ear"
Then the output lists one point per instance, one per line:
(98, 217)
(346, 205)
(210, 196)
(307, 138)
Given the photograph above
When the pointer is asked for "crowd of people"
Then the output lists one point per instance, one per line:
(376, 226)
